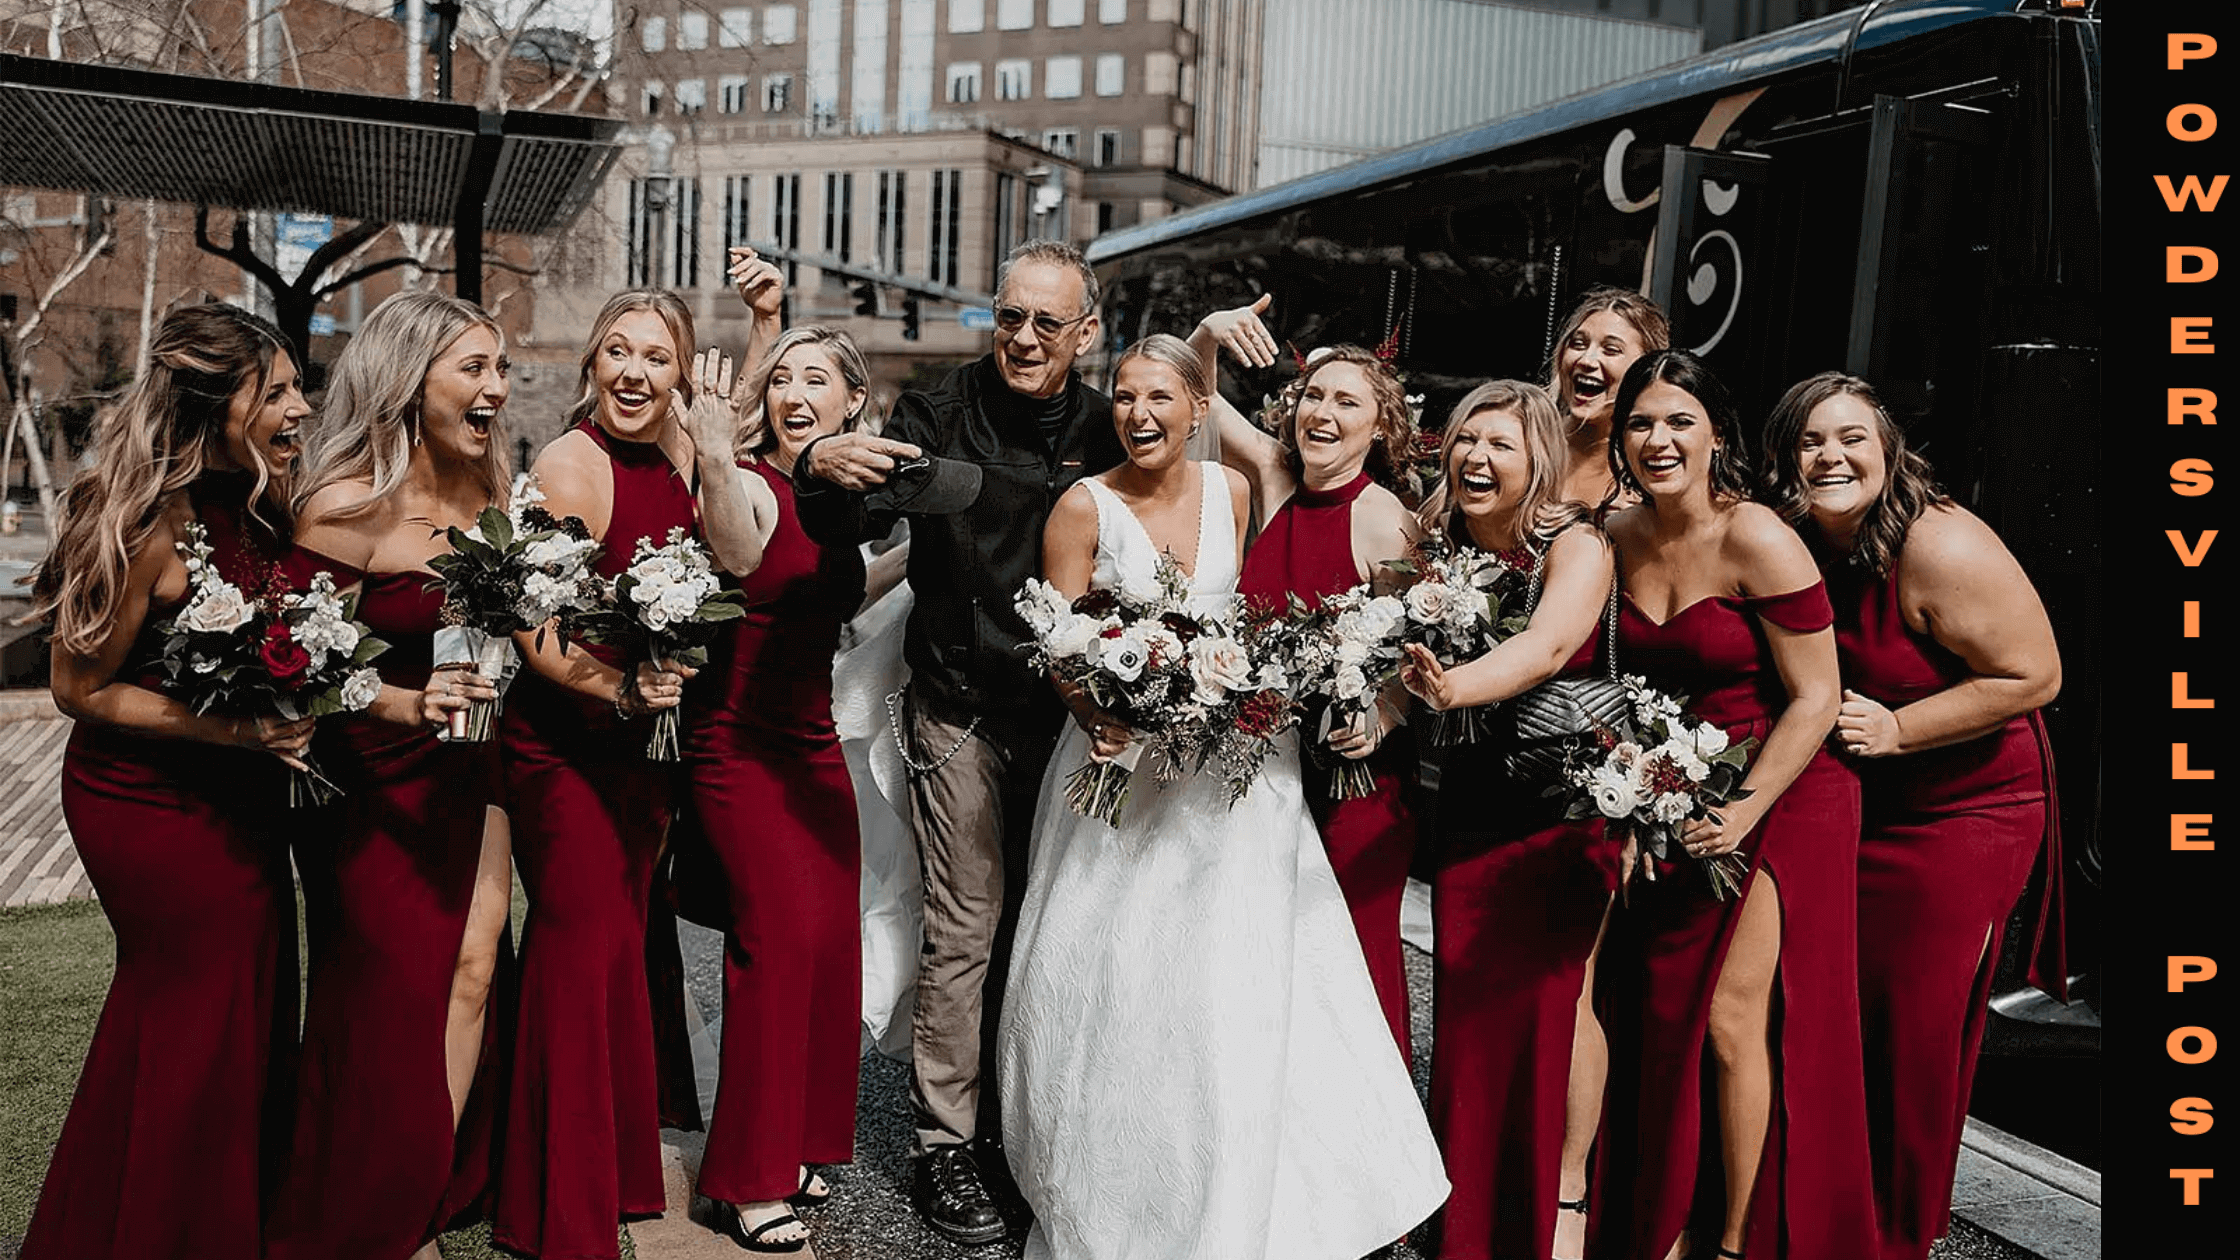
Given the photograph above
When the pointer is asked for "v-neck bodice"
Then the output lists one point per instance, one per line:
(1126, 555)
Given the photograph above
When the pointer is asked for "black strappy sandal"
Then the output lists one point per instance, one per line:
(804, 1197)
(751, 1239)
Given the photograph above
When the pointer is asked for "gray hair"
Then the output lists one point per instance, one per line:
(1056, 254)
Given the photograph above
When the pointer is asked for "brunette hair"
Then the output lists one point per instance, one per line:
(168, 431)
(1730, 463)
(1909, 487)
(1396, 425)
(755, 436)
(1544, 512)
(1648, 320)
(371, 416)
(672, 311)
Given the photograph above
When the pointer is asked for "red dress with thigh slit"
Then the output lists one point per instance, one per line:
(1950, 838)
(778, 812)
(581, 1144)
(1307, 550)
(376, 1171)
(180, 1120)
(1659, 1155)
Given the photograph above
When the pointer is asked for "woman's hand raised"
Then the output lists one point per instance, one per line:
(1241, 331)
(1422, 675)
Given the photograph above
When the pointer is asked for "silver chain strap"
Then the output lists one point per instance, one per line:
(902, 744)
(1609, 613)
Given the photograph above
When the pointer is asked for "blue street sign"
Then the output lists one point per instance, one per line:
(976, 318)
(322, 325)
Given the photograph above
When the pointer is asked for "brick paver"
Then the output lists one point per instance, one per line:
(38, 864)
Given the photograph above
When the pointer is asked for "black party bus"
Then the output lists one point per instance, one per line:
(1908, 191)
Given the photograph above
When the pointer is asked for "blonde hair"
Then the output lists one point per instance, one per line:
(1395, 425)
(755, 436)
(169, 430)
(1544, 512)
(661, 302)
(372, 412)
(1170, 351)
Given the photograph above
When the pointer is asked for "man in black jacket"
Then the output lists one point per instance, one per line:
(978, 726)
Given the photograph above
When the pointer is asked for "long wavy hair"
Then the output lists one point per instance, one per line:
(672, 311)
(371, 415)
(1544, 512)
(755, 436)
(1648, 320)
(1395, 425)
(1909, 485)
(1730, 464)
(168, 431)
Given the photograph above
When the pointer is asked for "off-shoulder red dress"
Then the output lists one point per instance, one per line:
(1307, 550)
(376, 1171)
(581, 1144)
(1950, 839)
(1658, 1159)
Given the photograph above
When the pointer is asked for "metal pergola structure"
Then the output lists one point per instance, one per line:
(124, 133)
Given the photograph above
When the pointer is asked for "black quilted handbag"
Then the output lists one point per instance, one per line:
(1562, 714)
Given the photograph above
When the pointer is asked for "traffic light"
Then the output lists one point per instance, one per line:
(910, 318)
(867, 298)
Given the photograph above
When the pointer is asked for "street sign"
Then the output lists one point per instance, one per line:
(976, 318)
(322, 325)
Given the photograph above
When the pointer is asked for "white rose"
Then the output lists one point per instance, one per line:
(1383, 616)
(1219, 664)
(1709, 740)
(1671, 807)
(1072, 634)
(1428, 602)
(1349, 683)
(359, 689)
(217, 608)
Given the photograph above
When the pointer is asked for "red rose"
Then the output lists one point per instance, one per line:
(283, 657)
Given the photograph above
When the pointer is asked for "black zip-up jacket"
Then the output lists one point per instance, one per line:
(965, 641)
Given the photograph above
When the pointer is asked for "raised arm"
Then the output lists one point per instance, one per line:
(1980, 606)
(763, 288)
(1574, 596)
(1244, 445)
(736, 519)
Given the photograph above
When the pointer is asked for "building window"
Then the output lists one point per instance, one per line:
(651, 96)
(840, 214)
(736, 225)
(913, 85)
(887, 246)
(653, 34)
(692, 30)
(967, 16)
(777, 24)
(1014, 15)
(1061, 78)
(1112, 12)
(1108, 146)
(1065, 12)
(732, 91)
(944, 227)
(1104, 217)
(777, 93)
(692, 95)
(964, 82)
(785, 220)
(1112, 74)
(664, 240)
(1063, 141)
(824, 63)
(867, 77)
(1007, 213)
(736, 29)
(1014, 80)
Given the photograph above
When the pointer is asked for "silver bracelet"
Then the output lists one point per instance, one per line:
(902, 745)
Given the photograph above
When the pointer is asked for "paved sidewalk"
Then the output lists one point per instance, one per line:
(38, 864)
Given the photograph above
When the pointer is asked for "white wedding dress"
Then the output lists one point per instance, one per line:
(1192, 1058)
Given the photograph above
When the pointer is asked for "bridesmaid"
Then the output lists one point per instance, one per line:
(1722, 603)
(1600, 339)
(408, 891)
(776, 804)
(581, 1146)
(1948, 656)
(1326, 526)
(1520, 895)
(180, 1117)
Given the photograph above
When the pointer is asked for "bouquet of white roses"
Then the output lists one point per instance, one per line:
(1460, 602)
(1345, 653)
(295, 653)
(1653, 772)
(513, 572)
(667, 606)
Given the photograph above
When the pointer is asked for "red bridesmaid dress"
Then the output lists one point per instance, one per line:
(1307, 550)
(1661, 963)
(778, 812)
(1950, 838)
(180, 1120)
(581, 1142)
(1516, 901)
(377, 1172)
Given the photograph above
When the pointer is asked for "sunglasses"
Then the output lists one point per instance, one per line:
(1012, 318)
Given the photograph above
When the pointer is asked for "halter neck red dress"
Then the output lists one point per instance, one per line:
(1307, 550)
(376, 1171)
(1659, 1157)
(778, 810)
(1950, 839)
(180, 1120)
(581, 1146)
(1517, 900)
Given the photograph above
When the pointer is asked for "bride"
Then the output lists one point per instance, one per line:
(1192, 1058)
